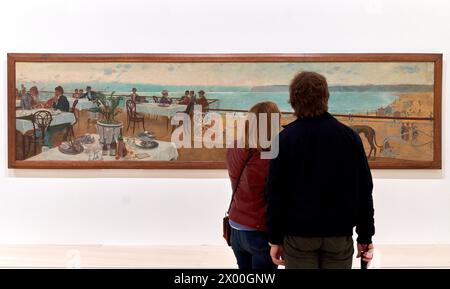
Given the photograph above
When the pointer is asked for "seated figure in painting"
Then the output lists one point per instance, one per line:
(185, 99)
(165, 97)
(203, 101)
(76, 93)
(59, 101)
(34, 93)
(26, 101)
(90, 94)
(29, 100)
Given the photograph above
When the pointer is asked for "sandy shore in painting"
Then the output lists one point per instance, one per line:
(412, 142)
(418, 104)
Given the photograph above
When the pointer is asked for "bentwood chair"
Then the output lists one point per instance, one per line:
(133, 116)
(41, 120)
(70, 132)
(74, 110)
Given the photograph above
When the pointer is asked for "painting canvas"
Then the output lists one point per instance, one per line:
(116, 111)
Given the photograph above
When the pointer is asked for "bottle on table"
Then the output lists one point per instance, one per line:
(113, 147)
(121, 148)
(104, 148)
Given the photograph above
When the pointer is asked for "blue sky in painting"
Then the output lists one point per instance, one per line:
(224, 74)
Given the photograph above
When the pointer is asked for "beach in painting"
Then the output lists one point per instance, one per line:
(394, 99)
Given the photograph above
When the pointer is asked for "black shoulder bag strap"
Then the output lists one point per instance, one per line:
(250, 153)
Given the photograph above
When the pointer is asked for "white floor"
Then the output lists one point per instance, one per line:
(64, 256)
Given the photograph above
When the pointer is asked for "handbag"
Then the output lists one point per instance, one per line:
(226, 220)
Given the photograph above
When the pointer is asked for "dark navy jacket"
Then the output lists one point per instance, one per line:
(62, 104)
(320, 184)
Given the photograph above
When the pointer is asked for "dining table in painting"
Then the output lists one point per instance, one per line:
(83, 103)
(165, 151)
(24, 119)
(153, 108)
(158, 109)
(24, 123)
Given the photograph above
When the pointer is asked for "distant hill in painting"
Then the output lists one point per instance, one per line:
(354, 88)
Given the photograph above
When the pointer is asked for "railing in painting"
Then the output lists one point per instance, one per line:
(69, 93)
(342, 115)
(349, 116)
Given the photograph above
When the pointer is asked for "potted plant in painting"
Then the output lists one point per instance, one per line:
(108, 127)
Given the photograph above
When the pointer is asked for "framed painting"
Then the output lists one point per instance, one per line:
(101, 111)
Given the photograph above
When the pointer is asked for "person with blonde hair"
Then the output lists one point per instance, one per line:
(30, 99)
(247, 210)
(34, 93)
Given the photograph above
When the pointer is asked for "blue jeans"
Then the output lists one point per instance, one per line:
(251, 249)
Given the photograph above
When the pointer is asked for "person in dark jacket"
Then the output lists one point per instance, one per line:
(89, 94)
(60, 102)
(319, 186)
(248, 173)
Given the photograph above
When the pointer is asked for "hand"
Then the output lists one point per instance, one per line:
(276, 253)
(368, 252)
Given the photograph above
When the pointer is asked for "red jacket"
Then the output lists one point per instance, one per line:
(249, 205)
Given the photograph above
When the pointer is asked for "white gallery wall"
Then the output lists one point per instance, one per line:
(186, 207)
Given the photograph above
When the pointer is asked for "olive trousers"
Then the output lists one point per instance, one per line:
(318, 253)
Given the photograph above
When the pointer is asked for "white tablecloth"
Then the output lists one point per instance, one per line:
(166, 151)
(24, 125)
(155, 109)
(83, 103)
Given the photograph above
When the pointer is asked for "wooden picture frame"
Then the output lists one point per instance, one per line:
(15, 58)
